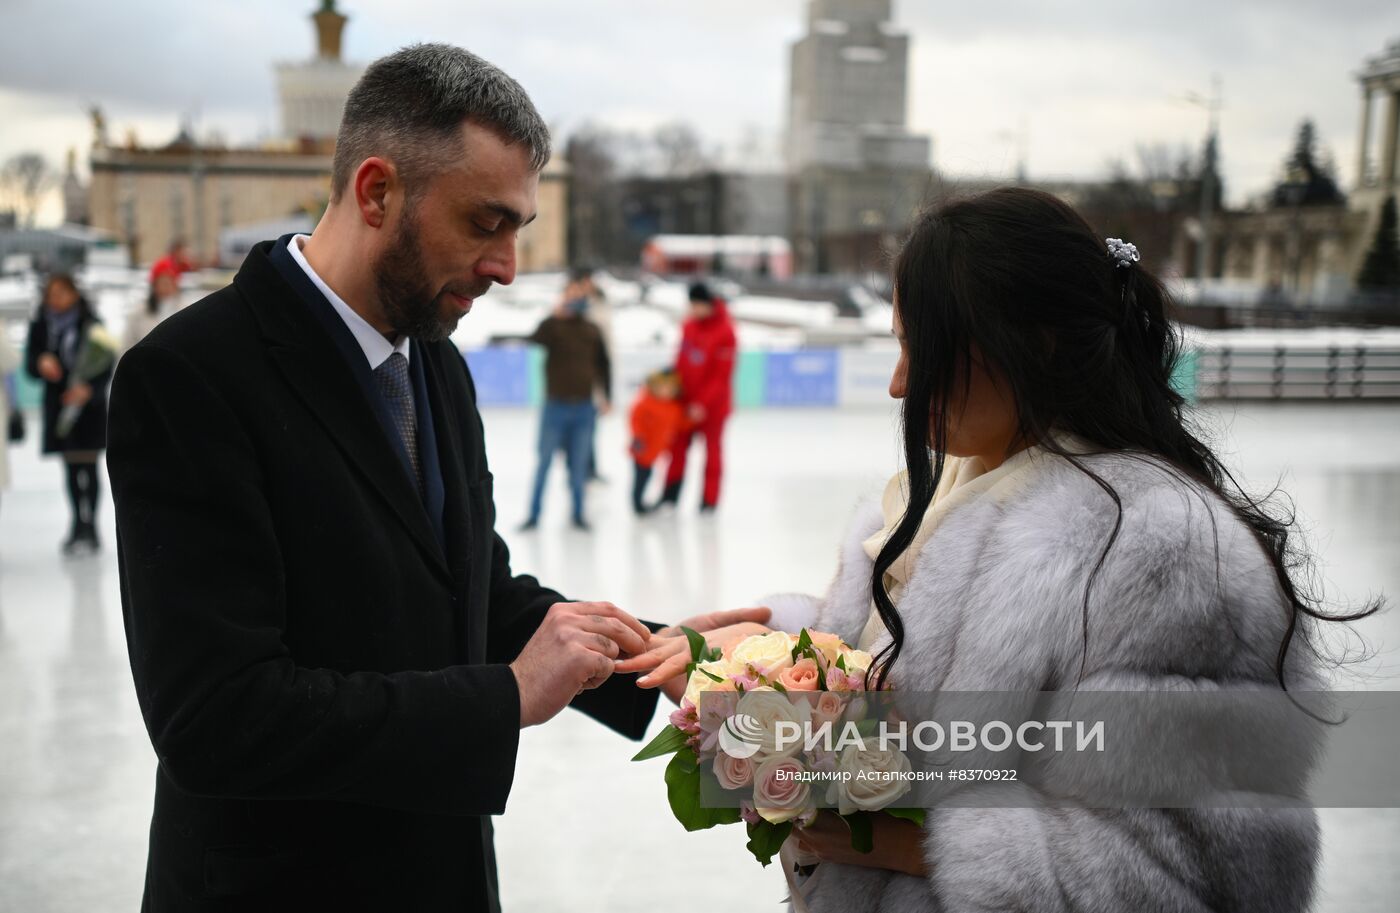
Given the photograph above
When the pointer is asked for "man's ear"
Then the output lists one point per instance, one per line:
(371, 185)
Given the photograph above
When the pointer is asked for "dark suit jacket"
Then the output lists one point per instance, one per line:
(323, 675)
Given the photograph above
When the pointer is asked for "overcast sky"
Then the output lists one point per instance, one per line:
(1089, 81)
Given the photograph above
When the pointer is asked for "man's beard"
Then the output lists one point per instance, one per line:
(410, 304)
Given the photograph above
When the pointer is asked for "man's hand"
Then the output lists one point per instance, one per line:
(668, 652)
(573, 650)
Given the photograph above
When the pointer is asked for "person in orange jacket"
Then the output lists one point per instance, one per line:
(705, 365)
(657, 418)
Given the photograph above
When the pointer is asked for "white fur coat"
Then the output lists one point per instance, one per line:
(995, 604)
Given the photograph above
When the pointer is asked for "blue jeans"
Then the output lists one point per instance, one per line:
(565, 425)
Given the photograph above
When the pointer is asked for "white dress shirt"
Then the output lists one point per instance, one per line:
(376, 348)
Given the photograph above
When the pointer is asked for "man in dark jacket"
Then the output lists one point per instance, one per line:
(576, 366)
(332, 654)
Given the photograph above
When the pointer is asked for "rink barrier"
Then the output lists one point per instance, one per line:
(815, 378)
(513, 375)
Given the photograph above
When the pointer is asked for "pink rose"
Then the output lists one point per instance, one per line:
(827, 709)
(733, 773)
(780, 794)
(802, 676)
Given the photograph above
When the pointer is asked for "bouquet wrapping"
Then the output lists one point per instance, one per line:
(97, 354)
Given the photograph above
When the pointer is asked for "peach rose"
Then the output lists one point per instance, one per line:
(801, 676)
(828, 645)
(828, 709)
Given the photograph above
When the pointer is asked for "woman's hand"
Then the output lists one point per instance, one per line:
(50, 368)
(897, 844)
(76, 395)
(668, 651)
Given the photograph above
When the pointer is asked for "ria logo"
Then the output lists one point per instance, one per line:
(741, 736)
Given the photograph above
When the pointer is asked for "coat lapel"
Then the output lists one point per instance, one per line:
(318, 373)
(447, 423)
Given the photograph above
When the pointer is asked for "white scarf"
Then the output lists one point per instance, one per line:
(964, 478)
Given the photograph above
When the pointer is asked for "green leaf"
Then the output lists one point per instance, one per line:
(711, 676)
(908, 814)
(862, 831)
(804, 643)
(765, 839)
(667, 741)
(683, 792)
(841, 663)
(697, 644)
(724, 815)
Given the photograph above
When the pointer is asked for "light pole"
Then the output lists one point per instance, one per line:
(1208, 178)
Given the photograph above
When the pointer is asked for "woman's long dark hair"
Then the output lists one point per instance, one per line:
(1085, 347)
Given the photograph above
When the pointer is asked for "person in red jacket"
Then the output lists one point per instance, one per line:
(174, 264)
(705, 364)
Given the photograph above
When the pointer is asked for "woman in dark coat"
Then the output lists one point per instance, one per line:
(55, 341)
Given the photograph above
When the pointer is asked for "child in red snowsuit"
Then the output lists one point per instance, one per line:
(657, 418)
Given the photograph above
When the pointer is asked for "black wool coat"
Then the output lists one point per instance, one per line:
(322, 668)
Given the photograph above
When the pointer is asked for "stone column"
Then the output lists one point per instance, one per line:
(1363, 147)
(1388, 138)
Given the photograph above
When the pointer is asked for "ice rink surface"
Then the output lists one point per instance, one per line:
(585, 828)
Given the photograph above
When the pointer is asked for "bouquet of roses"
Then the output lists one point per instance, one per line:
(98, 353)
(735, 739)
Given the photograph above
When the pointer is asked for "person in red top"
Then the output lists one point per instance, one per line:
(657, 418)
(705, 364)
(174, 264)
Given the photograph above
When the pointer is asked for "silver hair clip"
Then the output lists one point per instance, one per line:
(1122, 252)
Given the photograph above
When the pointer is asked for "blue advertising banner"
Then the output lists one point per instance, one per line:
(501, 374)
(807, 377)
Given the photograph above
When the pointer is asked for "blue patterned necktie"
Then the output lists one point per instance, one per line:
(394, 386)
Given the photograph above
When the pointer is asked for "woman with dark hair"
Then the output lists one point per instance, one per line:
(1059, 527)
(57, 336)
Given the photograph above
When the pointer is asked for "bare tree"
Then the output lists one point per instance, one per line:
(680, 149)
(25, 179)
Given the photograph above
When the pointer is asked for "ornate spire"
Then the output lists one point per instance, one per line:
(329, 24)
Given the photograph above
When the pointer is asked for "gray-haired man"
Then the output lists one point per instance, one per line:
(331, 652)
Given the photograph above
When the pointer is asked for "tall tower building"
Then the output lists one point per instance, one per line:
(313, 92)
(858, 174)
(849, 90)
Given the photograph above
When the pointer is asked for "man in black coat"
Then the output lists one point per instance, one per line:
(331, 652)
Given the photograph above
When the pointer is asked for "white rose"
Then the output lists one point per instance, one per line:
(768, 708)
(857, 661)
(767, 653)
(699, 681)
(867, 788)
